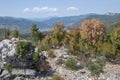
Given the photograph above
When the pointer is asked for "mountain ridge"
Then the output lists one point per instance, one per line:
(24, 24)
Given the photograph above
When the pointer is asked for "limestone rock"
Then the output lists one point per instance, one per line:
(18, 78)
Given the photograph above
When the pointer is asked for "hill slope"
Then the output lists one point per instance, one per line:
(23, 24)
(70, 21)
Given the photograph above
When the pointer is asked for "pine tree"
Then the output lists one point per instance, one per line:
(15, 33)
(35, 33)
(6, 33)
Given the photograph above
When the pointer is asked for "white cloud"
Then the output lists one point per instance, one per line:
(26, 9)
(72, 8)
(40, 9)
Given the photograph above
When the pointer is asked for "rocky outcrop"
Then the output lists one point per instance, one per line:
(7, 47)
(16, 73)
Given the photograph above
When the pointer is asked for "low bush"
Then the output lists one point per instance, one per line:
(101, 61)
(96, 67)
(57, 77)
(9, 67)
(71, 63)
(36, 57)
(43, 46)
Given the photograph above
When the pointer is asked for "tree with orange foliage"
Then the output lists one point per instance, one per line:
(92, 29)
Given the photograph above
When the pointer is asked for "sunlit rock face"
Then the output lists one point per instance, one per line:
(7, 47)
(7, 50)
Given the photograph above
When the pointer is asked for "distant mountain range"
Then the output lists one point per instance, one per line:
(23, 24)
(70, 21)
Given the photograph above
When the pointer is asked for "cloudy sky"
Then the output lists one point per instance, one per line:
(49, 8)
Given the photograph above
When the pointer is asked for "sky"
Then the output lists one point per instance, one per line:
(52, 8)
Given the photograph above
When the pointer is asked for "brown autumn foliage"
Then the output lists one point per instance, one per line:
(92, 29)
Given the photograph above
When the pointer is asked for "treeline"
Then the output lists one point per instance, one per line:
(6, 33)
(89, 40)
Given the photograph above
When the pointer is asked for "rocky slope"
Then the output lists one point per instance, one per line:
(111, 71)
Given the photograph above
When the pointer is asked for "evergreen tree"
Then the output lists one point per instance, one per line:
(34, 31)
(36, 34)
(6, 33)
(15, 33)
(23, 48)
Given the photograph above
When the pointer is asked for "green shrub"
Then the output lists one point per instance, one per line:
(51, 54)
(23, 48)
(8, 67)
(43, 46)
(36, 57)
(71, 63)
(96, 67)
(101, 61)
(57, 77)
